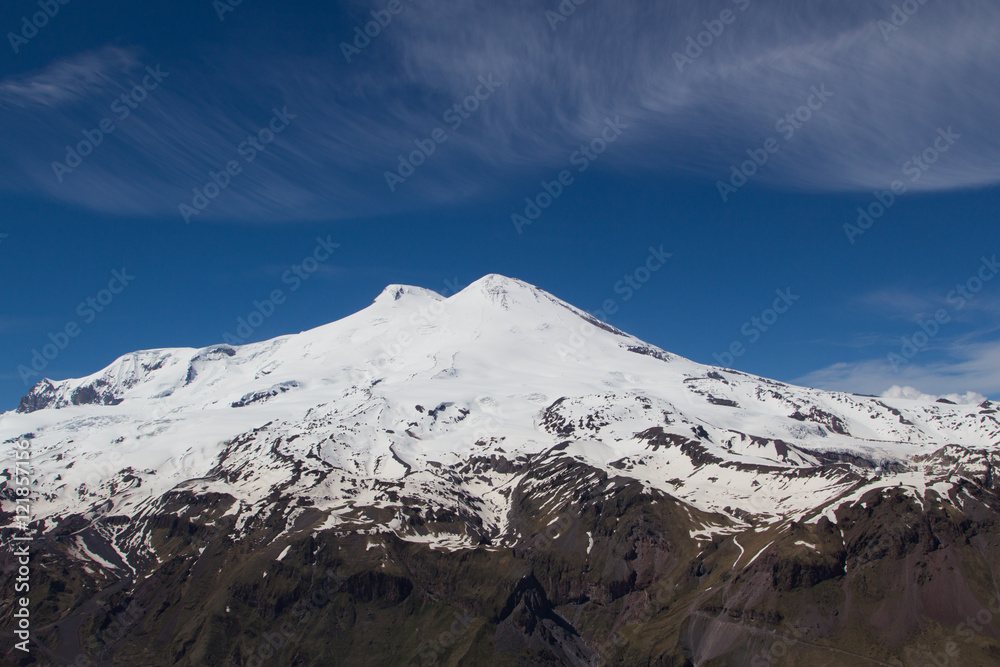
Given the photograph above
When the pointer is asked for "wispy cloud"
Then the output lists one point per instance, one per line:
(897, 303)
(558, 86)
(889, 98)
(13, 324)
(67, 80)
(857, 341)
(965, 368)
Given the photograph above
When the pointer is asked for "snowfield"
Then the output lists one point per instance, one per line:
(404, 394)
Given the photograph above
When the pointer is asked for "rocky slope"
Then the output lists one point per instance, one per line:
(498, 478)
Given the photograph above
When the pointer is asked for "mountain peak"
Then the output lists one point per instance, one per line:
(496, 279)
(394, 293)
(503, 291)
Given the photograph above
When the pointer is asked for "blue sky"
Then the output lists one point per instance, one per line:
(205, 152)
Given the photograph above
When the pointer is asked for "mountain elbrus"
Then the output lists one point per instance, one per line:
(498, 478)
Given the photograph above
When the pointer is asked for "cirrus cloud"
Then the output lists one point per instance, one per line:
(607, 60)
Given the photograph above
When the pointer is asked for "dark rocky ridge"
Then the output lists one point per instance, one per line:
(604, 572)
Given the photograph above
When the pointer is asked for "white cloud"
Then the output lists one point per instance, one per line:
(967, 369)
(968, 398)
(66, 80)
(914, 306)
(607, 59)
(889, 98)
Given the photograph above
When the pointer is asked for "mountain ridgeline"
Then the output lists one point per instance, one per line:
(497, 478)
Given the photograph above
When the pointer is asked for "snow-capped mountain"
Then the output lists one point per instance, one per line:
(500, 369)
(437, 422)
